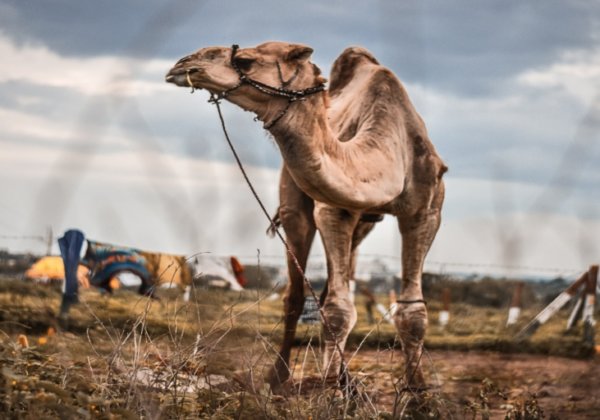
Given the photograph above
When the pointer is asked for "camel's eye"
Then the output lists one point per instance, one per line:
(243, 63)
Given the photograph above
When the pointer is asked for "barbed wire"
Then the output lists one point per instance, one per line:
(24, 237)
(374, 257)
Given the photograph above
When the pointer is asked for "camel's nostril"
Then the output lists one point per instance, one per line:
(193, 70)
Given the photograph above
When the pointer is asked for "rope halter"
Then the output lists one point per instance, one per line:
(281, 92)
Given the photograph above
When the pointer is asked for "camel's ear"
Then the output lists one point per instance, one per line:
(298, 53)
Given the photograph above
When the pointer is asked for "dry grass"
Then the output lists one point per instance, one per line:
(130, 357)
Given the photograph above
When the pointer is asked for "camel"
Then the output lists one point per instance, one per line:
(357, 150)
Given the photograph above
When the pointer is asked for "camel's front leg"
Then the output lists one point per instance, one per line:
(418, 232)
(296, 215)
(336, 227)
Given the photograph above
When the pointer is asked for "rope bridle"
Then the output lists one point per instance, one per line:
(282, 92)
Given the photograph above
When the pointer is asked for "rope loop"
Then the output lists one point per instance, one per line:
(408, 302)
(281, 92)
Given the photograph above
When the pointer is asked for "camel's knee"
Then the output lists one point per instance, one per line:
(411, 322)
(340, 317)
(411, 318)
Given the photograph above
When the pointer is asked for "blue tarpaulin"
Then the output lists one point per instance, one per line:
(107, 260)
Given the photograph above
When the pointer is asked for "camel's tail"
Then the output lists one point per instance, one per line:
(276, 224)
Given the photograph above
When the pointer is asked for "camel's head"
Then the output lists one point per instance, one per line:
(221, 70)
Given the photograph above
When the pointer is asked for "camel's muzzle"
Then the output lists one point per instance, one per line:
(180, 75)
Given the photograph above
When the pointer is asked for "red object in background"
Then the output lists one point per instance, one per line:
(238, 271)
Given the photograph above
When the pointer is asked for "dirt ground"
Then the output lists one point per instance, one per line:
(469, 383)
(91, 368)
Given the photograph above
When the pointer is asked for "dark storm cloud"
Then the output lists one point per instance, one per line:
(463, 46)
(471, 47)
(73, 28)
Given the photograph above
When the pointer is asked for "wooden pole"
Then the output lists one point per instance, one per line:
(553, 307)
(445, 312)
(186, 293)
(576, 312)
(515, 305)
(49, 240)
(588, 308)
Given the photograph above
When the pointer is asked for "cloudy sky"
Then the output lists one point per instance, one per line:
(91, 136)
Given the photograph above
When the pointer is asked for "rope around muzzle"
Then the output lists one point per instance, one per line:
(344, 374)
(292, 95)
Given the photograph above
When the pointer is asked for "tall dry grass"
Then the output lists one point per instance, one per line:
(132, 357)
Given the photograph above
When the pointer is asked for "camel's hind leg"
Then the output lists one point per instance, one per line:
(418, 231)
(296, 216)
(336, 227)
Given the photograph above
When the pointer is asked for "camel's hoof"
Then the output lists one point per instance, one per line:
(283, 389)
(417, 403)
(279, 381)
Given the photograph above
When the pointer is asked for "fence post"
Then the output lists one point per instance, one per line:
(576, 312)
(588, 308)
(515, 305)
(388, 315)
(445, 312)
(186, 293)
(553, 307)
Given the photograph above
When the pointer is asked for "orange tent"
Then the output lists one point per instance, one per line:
(52, 268)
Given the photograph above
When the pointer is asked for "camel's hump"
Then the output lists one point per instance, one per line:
(346, 64)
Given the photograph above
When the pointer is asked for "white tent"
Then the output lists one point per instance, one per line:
(210, 265)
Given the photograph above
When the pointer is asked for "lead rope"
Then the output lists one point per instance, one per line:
(344, 371)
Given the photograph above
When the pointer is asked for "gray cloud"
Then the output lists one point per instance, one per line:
(170, 123)
(464, 57)
(464, 47)
(470, 47)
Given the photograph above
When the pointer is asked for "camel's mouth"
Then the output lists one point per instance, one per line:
(180, 76)
(170, 78)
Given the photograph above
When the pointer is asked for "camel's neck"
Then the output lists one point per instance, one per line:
(353, 174)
